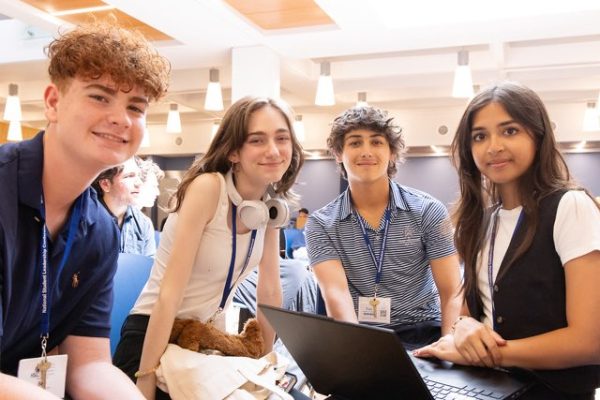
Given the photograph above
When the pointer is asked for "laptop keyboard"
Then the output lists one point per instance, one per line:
(446, 392)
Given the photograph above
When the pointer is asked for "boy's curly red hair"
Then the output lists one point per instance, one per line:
(103, 48)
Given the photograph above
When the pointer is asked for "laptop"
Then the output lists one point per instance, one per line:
(353, 361)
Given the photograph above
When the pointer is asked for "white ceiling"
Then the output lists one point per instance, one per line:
(551, 46)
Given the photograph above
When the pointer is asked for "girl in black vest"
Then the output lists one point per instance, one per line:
(530, 243)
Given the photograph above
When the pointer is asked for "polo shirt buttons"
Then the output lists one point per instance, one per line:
(496, 288)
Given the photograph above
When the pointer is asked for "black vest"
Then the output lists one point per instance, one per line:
(529, 298)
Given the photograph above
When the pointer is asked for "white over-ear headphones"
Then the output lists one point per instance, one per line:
(271, 211)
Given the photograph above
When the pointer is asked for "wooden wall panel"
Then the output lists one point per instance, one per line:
(62, 5)
(28, 132)
(281, 14)
(124, 20)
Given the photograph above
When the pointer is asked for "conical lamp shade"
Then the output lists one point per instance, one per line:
(214, 97)
(463, 82)
(173, 120)
(362, 100)
(15, 133)
(12, 109)
(325, 95)
(145, 139)
(215, 128)
(299, 128)
(591, 123)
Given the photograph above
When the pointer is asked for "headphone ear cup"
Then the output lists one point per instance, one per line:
(279, 213)
(257, 214)
(253, 214)
(232, 192)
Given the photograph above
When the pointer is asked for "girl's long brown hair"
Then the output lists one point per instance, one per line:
(478, 196)
(231, 136)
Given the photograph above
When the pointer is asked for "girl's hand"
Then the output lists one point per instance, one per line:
(477, 343)
(147, 385)
(444, 349)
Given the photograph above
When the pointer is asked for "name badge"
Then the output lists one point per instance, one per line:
(50, 375)
(374, 309)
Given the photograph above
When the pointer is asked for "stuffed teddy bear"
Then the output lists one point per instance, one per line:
(198, 336)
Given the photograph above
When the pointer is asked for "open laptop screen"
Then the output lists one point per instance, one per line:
(356, 361)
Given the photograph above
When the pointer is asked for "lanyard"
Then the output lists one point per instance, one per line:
(228, 285)
(491, 259)
(46, 290)
(377, 263)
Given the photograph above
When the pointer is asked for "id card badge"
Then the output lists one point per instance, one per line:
(374, 309)
(55, 373)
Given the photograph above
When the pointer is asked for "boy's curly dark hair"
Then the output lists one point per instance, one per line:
(372, 119)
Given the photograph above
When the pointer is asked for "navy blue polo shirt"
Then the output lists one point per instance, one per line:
(82, 297)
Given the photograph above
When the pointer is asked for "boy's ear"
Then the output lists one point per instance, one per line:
(338, 157)
(51, 97)
(105, 185)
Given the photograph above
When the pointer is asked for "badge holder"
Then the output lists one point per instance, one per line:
(47, 372)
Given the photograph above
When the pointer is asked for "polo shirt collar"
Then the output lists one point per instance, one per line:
(31, 165)
(346, 206)
(128, 213)
(113, 216)
(87, 214)
(397, 200)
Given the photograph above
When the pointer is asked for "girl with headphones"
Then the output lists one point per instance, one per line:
(225, 220)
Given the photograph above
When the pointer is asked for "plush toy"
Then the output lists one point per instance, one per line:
(198, 336)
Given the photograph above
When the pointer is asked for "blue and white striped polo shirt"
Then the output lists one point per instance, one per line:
(419, 231)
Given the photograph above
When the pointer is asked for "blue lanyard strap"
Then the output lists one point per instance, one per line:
(491, 259)
(46, 289)
(378, 263)
(228, 285)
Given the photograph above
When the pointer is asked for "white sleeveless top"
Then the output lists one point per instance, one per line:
(204, 290)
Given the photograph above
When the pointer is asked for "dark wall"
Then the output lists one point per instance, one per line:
(437, 176)
(173, 163)
(585, 168)
(433, 175)
(319, 181)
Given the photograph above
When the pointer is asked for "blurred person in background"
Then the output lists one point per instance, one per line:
(118, 189)
(151, 175)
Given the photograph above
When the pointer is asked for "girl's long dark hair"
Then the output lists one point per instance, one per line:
(478, 196)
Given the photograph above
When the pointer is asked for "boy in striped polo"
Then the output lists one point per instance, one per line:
(383, 253)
